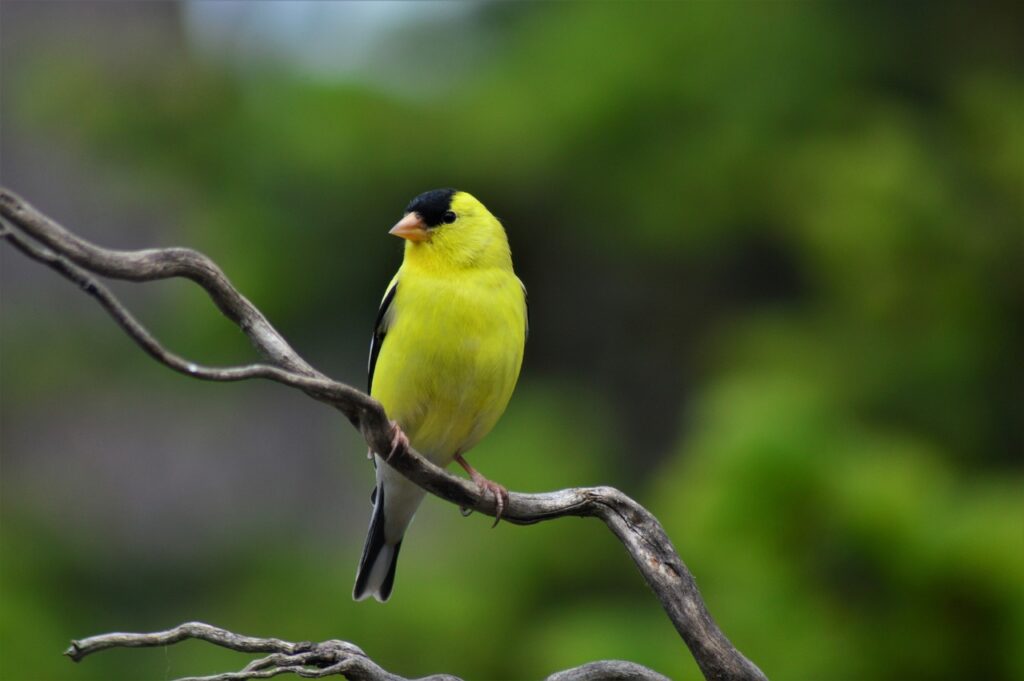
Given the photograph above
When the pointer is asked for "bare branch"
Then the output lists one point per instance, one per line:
(608, 670)
(316, 660)
(308, 660)
(641, 534)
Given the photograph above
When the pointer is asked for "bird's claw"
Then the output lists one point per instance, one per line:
(500, 497)
(399, 441)
(498, 491)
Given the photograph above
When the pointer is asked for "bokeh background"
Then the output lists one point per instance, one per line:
(774, 257)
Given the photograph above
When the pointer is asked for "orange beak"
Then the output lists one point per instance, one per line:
(411, 227)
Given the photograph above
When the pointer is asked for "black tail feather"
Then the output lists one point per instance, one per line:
(375, 544)
(389, 581)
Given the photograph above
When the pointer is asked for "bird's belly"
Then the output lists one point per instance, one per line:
(446, 371)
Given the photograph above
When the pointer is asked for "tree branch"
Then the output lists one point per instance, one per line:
(316, 660)
(308, 660)
(42, 239)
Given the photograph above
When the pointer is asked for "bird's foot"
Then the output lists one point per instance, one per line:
(500, 496)
(499, 492)
(399, 441)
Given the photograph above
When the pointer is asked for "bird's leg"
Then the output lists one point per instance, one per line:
(499, 491)
(399, 440)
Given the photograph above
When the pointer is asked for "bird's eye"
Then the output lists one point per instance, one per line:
(449, 217)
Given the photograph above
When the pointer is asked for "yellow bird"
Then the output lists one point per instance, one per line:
(444, 359)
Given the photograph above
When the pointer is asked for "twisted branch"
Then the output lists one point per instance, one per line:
(43, 240)
(316, 660)
(308, 660)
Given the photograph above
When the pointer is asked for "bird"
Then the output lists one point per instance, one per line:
(445, 356)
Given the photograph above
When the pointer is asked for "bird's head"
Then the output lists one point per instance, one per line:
(450, 228)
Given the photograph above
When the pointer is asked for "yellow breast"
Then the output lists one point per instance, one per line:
(451, 357)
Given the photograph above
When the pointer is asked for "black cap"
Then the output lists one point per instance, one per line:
(432, 205)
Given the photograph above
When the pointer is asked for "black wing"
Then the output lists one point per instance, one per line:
(526, 311)
(380, 330)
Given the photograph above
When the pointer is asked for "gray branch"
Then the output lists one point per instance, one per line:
(42, 239)
(308, 660)
(316, 660)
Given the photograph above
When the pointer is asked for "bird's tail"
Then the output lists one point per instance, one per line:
(376, 575)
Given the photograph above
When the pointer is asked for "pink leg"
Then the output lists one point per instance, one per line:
(399, 440)
(499, 491)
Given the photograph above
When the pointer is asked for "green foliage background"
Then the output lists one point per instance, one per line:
(773, 253)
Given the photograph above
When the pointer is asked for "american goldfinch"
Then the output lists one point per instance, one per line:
(445, 356)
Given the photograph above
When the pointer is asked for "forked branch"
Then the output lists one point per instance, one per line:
(43, 240)
(316, 660)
